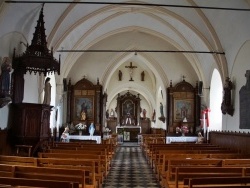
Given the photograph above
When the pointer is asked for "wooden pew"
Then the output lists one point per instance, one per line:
(236, 162)
(194, 172)
(50, 173)
(101, 161)
(17, 160)
(86, 165)
(221, 182)
(7, 171)
(92, 151)
(15, 171)
(37, 183)
(170, 163)
(89, 166)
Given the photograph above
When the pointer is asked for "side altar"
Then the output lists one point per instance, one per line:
(130, 133)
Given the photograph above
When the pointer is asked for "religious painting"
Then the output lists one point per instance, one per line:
(128, 108)
(83, 109)
(183, 109)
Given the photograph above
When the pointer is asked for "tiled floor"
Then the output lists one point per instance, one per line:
(130, 169)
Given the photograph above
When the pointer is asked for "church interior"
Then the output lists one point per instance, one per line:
(109, 84)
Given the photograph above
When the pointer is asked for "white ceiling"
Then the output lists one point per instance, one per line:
(133, 27)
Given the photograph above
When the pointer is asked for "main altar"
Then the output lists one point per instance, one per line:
(128, 121)
(129, 133)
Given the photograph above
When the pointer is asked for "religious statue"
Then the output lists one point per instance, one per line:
(83, 116)
(47, 92)
(5, 76)
(112, 113)
(107, 114)
(91, 129)
(226, 106)
(142, 76)
(161, 118)
(161, 110)
(65, 135)
(120, 75)
(200, 138)
(153, 116)
(144, 112)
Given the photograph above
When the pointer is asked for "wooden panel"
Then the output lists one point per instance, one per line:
(235, 141)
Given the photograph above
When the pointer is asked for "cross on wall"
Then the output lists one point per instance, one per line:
(131, 67)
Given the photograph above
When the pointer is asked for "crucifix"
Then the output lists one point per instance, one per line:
(183, 78)
(131, 67)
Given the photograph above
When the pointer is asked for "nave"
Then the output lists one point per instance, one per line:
(130, 169)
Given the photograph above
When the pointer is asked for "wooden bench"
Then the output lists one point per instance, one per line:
(50, 173)
(101, 161)
(17, 160)
(198, 159)
(236, 162)
(167, 172)
(102, 152)
(218, 182)
(15, 171)
(86, 165)
(89, 166)
(37, 183)
(200, 172)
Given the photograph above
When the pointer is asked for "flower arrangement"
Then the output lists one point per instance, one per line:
(107, 130)
(80, 126)
(183, 129)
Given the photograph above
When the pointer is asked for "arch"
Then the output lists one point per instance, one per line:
(216, 91)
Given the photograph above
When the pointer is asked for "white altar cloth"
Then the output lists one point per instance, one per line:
(83, 137)
(170, 139)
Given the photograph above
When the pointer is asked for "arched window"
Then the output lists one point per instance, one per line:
(216, 92)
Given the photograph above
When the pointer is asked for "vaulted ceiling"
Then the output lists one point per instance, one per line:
(132, 30)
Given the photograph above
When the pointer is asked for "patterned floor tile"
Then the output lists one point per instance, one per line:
(130, 169)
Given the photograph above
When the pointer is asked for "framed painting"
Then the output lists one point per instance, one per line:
(183, 108)
(83, 104)
(128, 107)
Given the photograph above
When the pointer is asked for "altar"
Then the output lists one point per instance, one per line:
(129, 133)
(83, 137)
(170, 139)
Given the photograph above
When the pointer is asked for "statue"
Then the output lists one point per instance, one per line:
(83, 116)
(47, 92)
(120, 75)
(107, 114)
(65, 135)
(112, 113)
(161, 110)
(144, 112)
(153, 116)
(5, 75)
(226, 106)
(142, 76)
(91, 129)
(161, 118)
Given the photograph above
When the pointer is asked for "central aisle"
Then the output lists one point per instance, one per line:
(130, 169)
